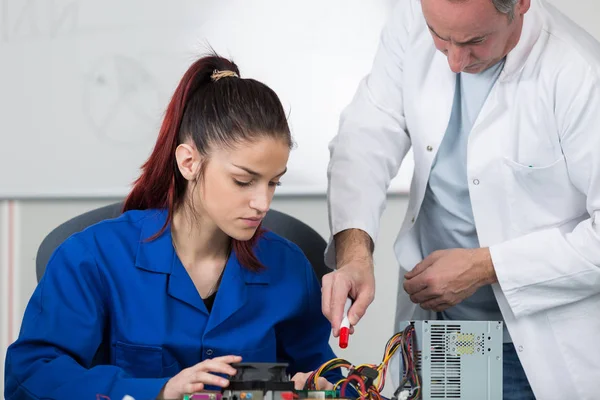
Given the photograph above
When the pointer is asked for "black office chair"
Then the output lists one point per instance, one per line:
(312, 244)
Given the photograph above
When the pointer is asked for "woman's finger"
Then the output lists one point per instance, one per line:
(209, 379)
(193, 387)
(216, 366)
(324, 384)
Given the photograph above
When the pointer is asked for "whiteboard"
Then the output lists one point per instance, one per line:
(84, 83)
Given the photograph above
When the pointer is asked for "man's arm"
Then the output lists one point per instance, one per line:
(353, 245)
(372, 140)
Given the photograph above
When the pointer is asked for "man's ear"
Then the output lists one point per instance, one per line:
(523, 6)
(188, 161)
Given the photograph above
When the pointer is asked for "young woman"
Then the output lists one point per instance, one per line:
(160, 301)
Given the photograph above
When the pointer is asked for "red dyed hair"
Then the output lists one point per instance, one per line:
(212, 113)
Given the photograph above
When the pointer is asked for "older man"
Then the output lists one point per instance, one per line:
(500, 102)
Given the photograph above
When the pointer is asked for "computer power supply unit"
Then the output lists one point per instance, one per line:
(458, 360)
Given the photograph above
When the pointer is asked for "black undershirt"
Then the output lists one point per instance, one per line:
(209, 301)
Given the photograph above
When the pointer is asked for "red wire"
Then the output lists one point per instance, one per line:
(363, 389)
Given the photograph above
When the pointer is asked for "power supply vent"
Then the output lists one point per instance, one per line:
(445, 364)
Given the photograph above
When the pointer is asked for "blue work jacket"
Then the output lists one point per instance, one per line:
(115, 314)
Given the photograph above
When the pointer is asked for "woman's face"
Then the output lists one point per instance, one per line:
(237, 185)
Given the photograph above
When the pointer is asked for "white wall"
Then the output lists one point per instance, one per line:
(24, 224)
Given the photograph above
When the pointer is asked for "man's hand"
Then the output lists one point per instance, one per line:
(354, 278)
(447, 277)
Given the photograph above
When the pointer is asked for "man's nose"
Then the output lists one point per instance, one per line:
(458, 58)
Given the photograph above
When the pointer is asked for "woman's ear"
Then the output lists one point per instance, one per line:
(188, 161)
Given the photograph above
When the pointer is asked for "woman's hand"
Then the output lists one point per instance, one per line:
(193, 379)
(300, 380)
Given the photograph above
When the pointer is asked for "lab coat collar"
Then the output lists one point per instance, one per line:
(516, 58)
(159, 256)
(155, 255)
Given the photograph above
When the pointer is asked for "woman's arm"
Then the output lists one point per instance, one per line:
(62, 330)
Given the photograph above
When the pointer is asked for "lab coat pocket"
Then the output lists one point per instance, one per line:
(539, 196)
(143, 361)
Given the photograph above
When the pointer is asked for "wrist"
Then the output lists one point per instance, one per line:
(353, 246)
(483, 259)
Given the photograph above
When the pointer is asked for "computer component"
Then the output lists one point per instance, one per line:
(206, 395)
(317, 394)
(259, 381)
(454, 360)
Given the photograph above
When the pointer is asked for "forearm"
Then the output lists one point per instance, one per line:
(482, 260)
(353, 245)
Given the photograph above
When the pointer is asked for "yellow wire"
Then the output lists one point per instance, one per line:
(373, 392)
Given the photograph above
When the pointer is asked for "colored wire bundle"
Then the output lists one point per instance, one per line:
(312, 381)
(368, 380)
(410, 374)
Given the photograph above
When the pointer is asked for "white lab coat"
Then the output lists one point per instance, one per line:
(533, 168)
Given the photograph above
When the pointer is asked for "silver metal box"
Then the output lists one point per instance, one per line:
(458, 360)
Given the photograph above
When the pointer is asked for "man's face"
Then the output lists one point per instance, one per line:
(472, 33)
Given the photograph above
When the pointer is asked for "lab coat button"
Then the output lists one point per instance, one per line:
(412, 220)
(520, 348)
(429, 148)
(209, 352)
(475, 182)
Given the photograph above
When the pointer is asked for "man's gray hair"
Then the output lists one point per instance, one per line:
(506, 7)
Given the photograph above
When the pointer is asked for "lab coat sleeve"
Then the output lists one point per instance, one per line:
(303, 341)
(61, 331)
(372, 139)
(551, 268)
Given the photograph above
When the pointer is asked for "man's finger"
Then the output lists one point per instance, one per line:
(423, 296)
(414, 285)
(327, 284)
(339, 294)
(360, 305)
(437, 304)
(423, 265)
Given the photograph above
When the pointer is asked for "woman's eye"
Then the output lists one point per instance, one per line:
(241, 183)
(274, 183)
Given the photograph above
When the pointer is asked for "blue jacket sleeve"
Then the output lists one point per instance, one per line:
(303, 341)
(61, 331)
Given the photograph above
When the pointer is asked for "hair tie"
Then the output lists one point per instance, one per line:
(223, 74)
